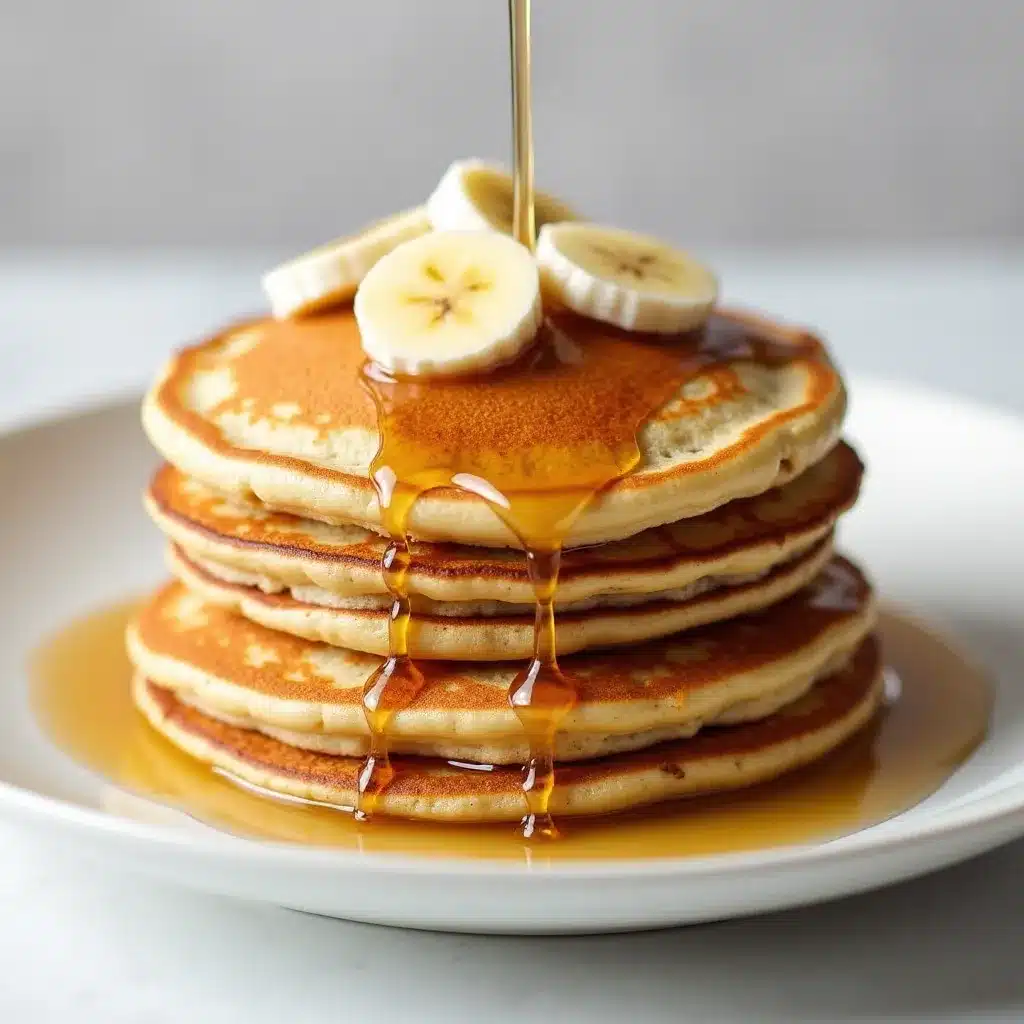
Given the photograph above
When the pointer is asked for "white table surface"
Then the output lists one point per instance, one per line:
(84, 945)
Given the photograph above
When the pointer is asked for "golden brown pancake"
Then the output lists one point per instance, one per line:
(713, 760)
(439, 634)
(311, 693)
(278, 551)
(278, 409)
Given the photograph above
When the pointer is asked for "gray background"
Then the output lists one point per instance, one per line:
(276, 122)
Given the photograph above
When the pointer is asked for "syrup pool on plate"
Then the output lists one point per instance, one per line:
(80, 691)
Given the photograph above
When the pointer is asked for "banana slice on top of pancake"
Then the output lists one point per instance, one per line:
(477, 196)
(449, 303)
(331, 273)
(619, 277)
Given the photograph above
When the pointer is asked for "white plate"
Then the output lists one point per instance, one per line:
(939, 527)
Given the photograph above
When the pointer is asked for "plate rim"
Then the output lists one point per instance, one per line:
(993, 810)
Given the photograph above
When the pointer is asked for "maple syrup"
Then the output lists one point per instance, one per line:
(80, 690)
(546, 444)
(524, 222)
(540, 695)
(551, 431)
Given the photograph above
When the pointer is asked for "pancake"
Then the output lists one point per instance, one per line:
(459, 609)
(456, 637)
(744, 668)
(428, 789)
(277, 551)
(279, 410)
(467, 609)
(577, 747)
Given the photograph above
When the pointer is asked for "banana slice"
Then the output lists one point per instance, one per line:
(450, 302)
(477, 196)
(331, 273)
(626, 279)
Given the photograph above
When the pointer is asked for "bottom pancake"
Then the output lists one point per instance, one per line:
(715, 759)
(568, 747)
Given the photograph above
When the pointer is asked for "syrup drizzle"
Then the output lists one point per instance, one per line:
(396, 682)
(540, 695)
(531, 476)
(539, 458)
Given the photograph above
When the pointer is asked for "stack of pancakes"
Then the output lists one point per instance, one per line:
(713, 637)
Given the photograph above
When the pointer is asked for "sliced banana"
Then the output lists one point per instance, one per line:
(331, 273)
(622, 278)
(477, 196)
(450, 302)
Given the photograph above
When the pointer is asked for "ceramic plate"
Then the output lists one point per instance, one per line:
(939, 527)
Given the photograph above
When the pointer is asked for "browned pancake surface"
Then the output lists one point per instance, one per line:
(313, 366)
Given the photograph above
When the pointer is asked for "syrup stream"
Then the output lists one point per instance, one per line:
(523, 215)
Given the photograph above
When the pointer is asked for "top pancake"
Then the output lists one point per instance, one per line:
(279, 410)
